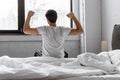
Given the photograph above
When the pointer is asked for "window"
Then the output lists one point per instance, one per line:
(41, 6)
(8, 15)
(14, 12)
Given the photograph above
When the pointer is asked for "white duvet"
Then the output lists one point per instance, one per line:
(55, 68)
(42, 68)
(98, 61)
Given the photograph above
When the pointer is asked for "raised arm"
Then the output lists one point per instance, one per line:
(78, 29)
(27, 29)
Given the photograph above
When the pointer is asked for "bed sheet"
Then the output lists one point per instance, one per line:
(97, 77)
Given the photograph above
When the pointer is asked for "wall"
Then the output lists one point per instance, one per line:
(101, 16)
(110, 17)
(93, 25)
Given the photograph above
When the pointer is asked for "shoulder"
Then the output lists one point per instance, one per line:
(65, 28)
(41, 29)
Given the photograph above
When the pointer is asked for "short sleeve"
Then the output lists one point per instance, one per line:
(40, 30)
(66, 31)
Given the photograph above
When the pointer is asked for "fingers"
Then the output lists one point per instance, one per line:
(70, 15)
(31, 13)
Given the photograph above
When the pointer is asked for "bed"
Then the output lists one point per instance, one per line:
(49, 68)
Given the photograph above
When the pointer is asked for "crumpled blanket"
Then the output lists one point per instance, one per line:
(56, 68)
(43, 68)
(97, 61)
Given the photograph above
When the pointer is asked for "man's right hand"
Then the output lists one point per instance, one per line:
(78, 29)
(27, 29)
(71, 15)
(31, 13)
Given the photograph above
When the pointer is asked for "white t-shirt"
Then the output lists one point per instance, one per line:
(53, 40)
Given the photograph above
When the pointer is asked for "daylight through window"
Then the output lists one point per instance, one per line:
(14, 12)
(41, 6)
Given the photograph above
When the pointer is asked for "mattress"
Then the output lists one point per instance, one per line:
(99, 77)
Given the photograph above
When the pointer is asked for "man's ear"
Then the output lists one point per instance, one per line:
(48, 21)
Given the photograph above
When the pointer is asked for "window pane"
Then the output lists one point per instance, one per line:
(8, 15)
(41, 6)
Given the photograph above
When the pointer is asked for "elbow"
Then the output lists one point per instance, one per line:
(25, 31)
(80, 32)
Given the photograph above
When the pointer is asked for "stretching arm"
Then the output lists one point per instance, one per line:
(27, 29)
(78, 29)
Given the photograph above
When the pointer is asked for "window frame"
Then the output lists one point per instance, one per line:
(21, 18)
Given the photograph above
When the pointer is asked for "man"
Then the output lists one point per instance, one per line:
(53, 36)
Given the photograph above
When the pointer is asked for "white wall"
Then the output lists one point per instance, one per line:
(110, 17)
(101, 16)
(93, 25)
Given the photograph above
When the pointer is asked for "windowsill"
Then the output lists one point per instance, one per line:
(22, 38)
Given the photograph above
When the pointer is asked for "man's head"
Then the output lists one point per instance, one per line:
(51, 16)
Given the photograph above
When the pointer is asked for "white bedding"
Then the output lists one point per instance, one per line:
(97, 61)
(49, 68)
(42, 68)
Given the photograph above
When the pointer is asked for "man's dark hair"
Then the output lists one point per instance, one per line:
(51, 15)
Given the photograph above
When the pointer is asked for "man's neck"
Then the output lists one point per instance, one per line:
(53, 24)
